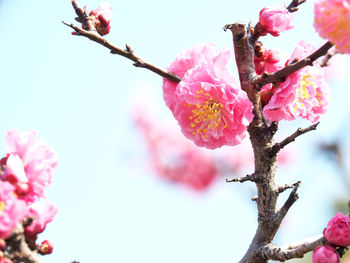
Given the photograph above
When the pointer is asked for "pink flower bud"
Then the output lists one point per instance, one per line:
(275, 20)
(102, 18)
(46, 247)
(325, 254)
(337, 231)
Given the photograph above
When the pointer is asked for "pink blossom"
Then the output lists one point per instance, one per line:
(12, 210)
(35, 157)
(101, 18)
(210, 108)
(332, 22)
(5, 260)
(174, 157)
(337, 231)
(187, 59)
(275, 20)
(325, 254)
(43, 212)
(303, 94)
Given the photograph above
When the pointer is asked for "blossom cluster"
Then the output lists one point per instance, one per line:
(213, 111)
(25, 173)
(209, 104)
(337, 234)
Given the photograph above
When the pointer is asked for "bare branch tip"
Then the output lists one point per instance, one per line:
(227, 26)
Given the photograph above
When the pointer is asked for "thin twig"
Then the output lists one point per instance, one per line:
(266, 78)
(273, 252)
(278, 146)
(83, 17)
(293, 196)
(127, 53)
(300, 243)
(250, 177)
(294, 5)
(283, 188)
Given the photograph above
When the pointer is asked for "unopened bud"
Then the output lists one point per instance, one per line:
(325, 254)
(46, 247)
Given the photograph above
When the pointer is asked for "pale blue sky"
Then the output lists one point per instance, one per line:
(77, 96)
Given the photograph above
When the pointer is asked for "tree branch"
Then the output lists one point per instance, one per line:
(127, 53)
(83, 16)
(244, 54)
(270, 251)
(278, 146)
(266, 78)
(293, 196)
(331, 53)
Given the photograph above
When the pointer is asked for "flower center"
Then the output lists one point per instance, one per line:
(302, 92)
(206, 116)
(2, 206)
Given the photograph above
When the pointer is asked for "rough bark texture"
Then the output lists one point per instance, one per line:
(265, 160)
(17, 249)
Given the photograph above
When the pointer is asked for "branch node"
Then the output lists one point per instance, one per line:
(128, 49)
(139, 64)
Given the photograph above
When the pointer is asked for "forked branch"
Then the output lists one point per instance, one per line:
(278, 146)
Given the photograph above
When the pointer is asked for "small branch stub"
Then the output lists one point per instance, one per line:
(250, 177)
